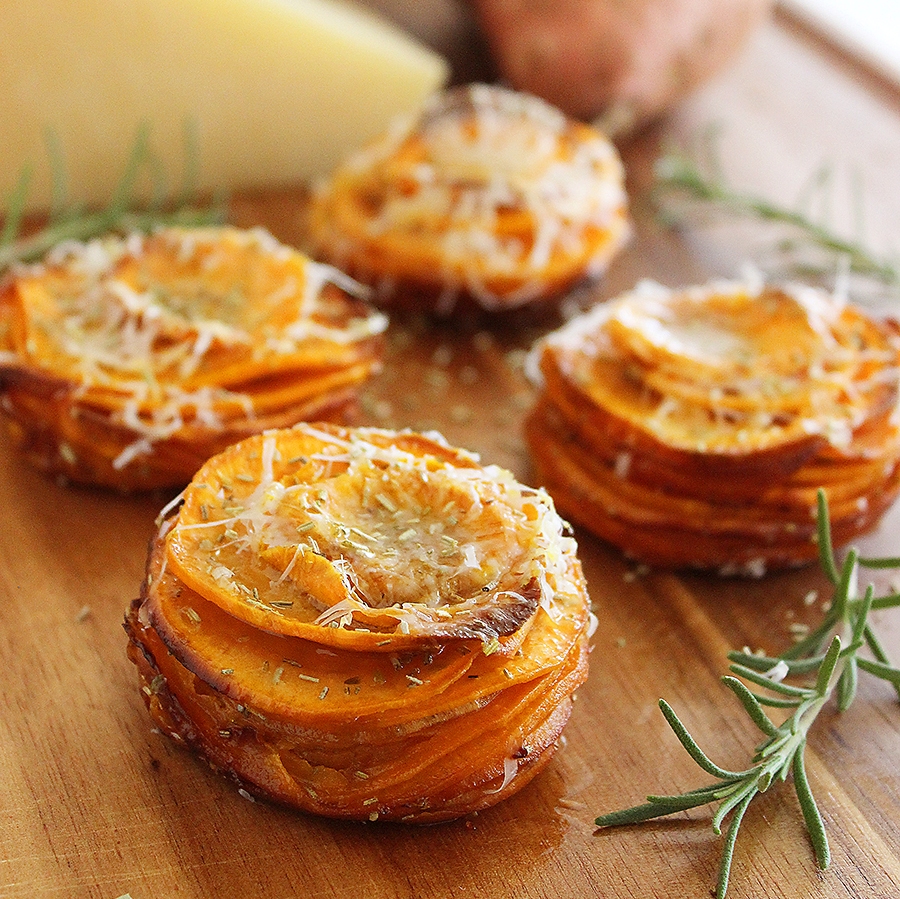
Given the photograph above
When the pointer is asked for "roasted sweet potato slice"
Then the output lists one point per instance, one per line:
(289, 679)
(184, 340)
(448, 766)
(257, 644)
(705, 372)
(694, 428)
(490, 197)
(354, 541)
(302, 686)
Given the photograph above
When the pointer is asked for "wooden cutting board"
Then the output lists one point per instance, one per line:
(95, 804)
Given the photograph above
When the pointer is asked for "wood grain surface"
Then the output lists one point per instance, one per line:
(95, 804)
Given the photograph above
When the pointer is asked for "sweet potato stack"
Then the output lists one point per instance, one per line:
(128, 361)
(363, 624)
(489, 198)
(693, 428)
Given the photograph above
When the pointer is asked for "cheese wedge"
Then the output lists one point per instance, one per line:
(276, 91)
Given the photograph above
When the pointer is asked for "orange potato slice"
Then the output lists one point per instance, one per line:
(301, 686)
(453, 767)
(347, 713)
(693, 428)
(490, 197)
(354, 539)
(177, 343)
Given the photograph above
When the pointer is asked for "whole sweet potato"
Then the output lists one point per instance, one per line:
(623, 61)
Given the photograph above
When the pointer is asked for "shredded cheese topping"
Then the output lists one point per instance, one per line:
(733, 364)
(373, 535)
(503, 183)
(161, 329)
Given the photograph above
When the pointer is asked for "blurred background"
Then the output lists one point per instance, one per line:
(870, 28)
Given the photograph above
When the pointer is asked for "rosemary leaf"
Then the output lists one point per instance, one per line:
(761, 680)
(752, 705)
(773, 703)
(812, 645)
(655, 807)
(125, 211)
(893, 562)
(845, 585)
(880, 670)
(823, 532)
(828, 666)
(846, 685)
(15, 208)
(740, 796)
(59, 205)
(811, 816)
(766, 663)
(890, 601)
(728, 849)
(847, 630)
(677, 175)
(693, 750)
(121, 198)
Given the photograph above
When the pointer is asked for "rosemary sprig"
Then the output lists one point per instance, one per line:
(124, 213)
(829, 657)
(677, 174)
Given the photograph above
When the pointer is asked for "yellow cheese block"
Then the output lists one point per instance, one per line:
(277, 91)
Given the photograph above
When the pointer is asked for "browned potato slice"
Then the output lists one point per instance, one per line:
(352, 539)
(258, 646)
(158, 351)
(490, 198)
(693, 428)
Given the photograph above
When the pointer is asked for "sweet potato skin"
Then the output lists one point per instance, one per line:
(624, 61)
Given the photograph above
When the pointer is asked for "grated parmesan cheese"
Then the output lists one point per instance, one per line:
(501, 183)
(387, 536)
(151, 329)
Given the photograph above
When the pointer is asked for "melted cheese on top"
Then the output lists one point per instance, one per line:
(376, 533)
(151, 319)
(503, 182)
(733, 363)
